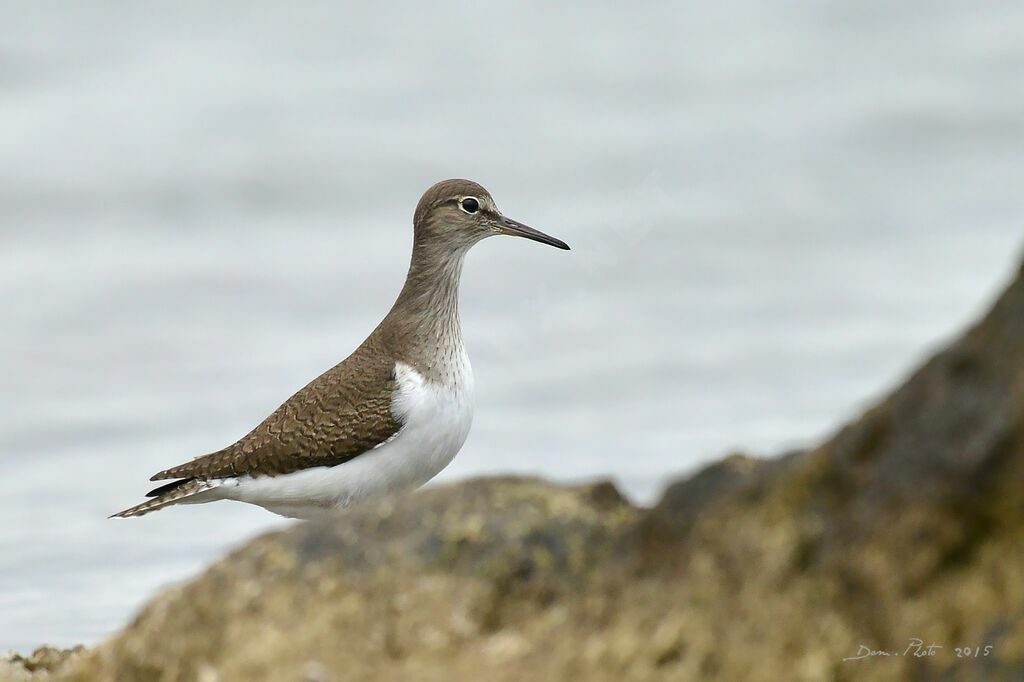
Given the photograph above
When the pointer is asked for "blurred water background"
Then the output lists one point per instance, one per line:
(775, 210)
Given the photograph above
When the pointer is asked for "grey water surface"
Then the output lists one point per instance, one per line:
(776, 209)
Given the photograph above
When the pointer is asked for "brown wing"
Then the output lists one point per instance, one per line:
(340, 415)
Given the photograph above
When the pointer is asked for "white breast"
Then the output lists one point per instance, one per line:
(435, 420)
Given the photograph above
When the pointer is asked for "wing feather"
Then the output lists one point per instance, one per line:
(341, 414)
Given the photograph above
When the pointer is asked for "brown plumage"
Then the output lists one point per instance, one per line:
(174, 493)
(339, 415)
(347, 410)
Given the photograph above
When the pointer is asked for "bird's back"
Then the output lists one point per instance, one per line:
(337, 416)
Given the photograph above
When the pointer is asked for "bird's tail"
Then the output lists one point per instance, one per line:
(176, 492)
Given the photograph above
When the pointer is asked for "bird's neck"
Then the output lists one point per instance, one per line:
(425, 318)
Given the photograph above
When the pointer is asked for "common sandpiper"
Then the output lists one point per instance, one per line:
(391, 415)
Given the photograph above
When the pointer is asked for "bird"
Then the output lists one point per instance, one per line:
(386, 419)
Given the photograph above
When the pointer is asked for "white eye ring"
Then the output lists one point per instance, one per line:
(475, 204)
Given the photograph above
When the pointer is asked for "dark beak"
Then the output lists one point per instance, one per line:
(516, 229)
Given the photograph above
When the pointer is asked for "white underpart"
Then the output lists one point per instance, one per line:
(435, 420)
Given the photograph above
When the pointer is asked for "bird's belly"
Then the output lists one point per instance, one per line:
(436, 419)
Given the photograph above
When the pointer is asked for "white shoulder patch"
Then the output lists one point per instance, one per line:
(410, 393)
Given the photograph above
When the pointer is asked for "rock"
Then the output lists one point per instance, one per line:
(40, 664)
(905, 526)
(448, 575)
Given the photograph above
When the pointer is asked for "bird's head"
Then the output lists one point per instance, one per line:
(459, 213)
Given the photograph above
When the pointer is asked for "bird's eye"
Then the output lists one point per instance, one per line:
(469, 204)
